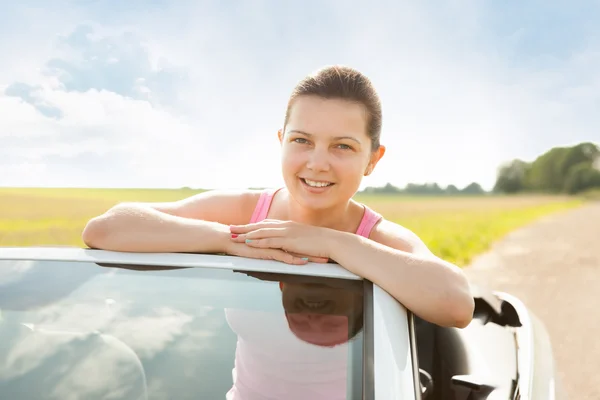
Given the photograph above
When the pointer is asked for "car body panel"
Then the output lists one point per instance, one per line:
(393, 368)
(174, 259)
(505, 351)
(505, 345)
(536, 367)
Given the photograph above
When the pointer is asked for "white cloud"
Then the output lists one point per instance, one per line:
(104, 125)
(192, 94)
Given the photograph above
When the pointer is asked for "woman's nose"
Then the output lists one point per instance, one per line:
(318, 160)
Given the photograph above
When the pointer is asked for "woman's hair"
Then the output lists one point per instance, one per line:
(340, 82)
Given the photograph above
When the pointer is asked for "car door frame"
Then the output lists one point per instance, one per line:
(390, 335)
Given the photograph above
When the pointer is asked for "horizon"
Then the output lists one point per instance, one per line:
(191, 94)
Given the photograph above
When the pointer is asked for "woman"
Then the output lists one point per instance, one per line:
(329, 141)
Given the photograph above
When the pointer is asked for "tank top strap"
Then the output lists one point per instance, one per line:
(369, 220)
(263, 205)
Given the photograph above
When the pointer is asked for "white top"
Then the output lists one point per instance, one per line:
(272, 363)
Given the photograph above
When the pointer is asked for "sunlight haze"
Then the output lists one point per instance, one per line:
(188, 93)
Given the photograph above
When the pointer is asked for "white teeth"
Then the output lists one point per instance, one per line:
(316, 184)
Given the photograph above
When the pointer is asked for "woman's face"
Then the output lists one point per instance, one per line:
(320, 314)
(326, 151)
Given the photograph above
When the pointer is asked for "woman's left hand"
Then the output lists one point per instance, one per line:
(293, 237)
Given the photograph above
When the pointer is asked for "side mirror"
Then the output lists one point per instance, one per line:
(469, 387)
(426, 383)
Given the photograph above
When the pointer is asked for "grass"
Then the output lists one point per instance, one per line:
(455, 228)
(459, 228)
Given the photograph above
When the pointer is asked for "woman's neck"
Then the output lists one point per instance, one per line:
(341, 217)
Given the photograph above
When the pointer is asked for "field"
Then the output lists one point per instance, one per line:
(455, 228)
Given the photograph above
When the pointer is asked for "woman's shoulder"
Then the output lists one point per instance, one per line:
(226, 206)
(245, 201)
(237, 197)
(368, 221)
(399, 237)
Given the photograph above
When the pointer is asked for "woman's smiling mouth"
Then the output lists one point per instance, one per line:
(316, 184)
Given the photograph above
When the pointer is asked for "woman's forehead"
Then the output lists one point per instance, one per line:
(315, 116)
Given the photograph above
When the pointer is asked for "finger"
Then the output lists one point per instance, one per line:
(249, 227)
(278, 243)
(261, 233)
(291, 259)
(280, 255)
(320, 260)
(268, 223)
(267, 243)
(269, 254)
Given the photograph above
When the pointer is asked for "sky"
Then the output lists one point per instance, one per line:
(166, 93)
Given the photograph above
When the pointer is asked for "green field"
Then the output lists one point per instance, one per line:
(455, 228)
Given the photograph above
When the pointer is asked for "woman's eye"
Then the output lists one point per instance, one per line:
(345, 147)
(300, 140)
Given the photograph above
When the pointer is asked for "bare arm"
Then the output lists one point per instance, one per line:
(197, 224)
(398, 261)
(394, 258)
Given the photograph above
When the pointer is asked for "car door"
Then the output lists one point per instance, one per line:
(395, 373)
(86, 330)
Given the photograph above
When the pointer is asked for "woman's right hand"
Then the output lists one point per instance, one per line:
(242, 250)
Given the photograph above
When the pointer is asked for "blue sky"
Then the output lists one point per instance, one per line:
(191, 93)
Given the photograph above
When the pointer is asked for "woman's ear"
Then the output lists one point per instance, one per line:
(375, 157)
(280, 136)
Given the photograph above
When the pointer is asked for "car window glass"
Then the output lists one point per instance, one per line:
(80, 329)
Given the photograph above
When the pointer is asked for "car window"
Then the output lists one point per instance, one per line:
(83, 330)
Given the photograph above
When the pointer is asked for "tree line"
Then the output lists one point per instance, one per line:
(426, 189)
(567, 170)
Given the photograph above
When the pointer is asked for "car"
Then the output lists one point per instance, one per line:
(79, 323)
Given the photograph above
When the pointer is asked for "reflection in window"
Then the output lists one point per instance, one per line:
(80, 330)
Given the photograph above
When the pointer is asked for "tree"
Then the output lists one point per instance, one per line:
(473, 188)
(582, 177)
(550, 170)
(452, 189)
(559, 170)
(512, 177)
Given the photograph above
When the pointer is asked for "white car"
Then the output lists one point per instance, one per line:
(91, 324)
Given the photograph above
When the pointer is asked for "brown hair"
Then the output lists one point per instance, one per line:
(340, 82)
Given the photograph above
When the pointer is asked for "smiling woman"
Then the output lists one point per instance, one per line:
(330, 140)
(326, 153)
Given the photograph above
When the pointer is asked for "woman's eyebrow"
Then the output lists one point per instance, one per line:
(335, 138)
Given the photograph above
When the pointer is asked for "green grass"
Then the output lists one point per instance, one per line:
(459, 228)
(455, 228)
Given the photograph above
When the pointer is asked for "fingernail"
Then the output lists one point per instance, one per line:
(234, 235)
(305, 258)
(248, 240)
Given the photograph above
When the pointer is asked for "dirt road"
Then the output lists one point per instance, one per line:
(554, 266)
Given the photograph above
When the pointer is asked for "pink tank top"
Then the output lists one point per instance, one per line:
(369, 219)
